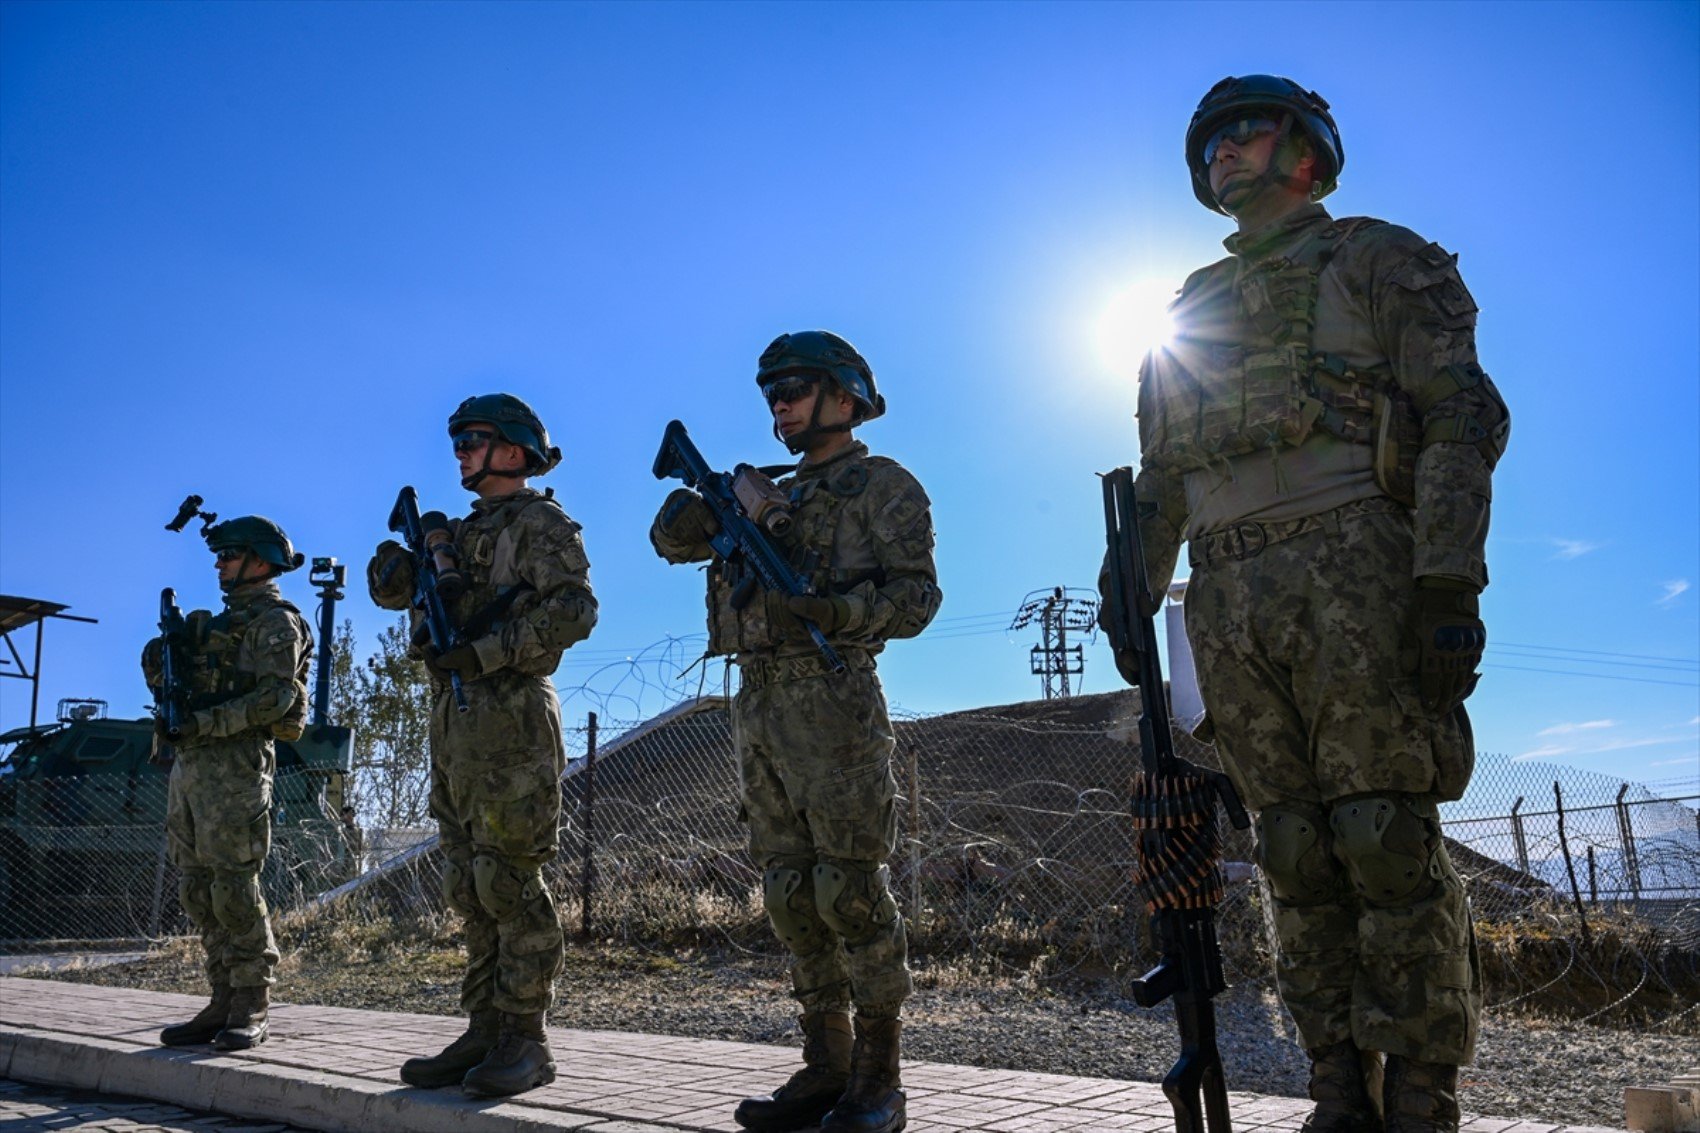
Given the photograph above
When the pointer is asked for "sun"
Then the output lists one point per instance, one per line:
(1134, 321)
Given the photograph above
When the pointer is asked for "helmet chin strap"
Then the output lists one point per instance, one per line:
(797, 442)
(470, 483)
(1272, 174)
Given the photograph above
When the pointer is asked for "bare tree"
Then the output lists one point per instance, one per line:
(387, 701)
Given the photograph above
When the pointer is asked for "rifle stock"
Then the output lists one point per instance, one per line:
(427, 597)
(739, 536)
(1175, 820)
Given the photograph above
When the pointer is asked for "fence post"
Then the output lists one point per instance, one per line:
(1517, 835)
(914, 838)
(1569, 866)
(587, 879)
(156, 915)
(1626, 836)
(1593, 878)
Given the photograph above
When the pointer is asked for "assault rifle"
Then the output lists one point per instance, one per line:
(173, 635)
(428, 587)
(1174, 803)
(737, 498)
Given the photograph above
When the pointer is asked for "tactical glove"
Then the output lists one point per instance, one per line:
(187, 729)
(1447, 636)
(831, 612)
(687, 518)
(389, 576)
(462, 659)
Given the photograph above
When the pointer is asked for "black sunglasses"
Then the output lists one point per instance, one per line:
(471, 440)
(788, 390)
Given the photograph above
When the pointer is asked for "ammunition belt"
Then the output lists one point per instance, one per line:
(766, 671)
(1247, 540)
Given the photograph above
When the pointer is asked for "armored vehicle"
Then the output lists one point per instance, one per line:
(82, 817)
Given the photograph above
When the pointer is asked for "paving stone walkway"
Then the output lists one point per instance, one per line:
(25, 1108)
(332, 1068)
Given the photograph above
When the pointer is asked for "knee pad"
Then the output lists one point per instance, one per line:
(790, 905)
(1388, 845)
(853, 899)
(194, 893)
(1293, 850)
(503, 888)
(458, 893)
(235, 898)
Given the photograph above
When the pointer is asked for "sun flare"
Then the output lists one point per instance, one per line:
(1134, 322)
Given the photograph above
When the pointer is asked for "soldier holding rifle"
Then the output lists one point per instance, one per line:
(1321, 436)
(227, 685)
(853, 569)
(497, 597)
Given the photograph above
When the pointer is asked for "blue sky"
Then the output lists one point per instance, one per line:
(259, 251)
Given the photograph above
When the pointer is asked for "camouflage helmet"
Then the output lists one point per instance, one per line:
(516, 422)
(1250, 94)
(258, 534)
(822, 354)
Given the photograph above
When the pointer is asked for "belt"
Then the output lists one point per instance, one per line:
(755, 673)
(1248, 539)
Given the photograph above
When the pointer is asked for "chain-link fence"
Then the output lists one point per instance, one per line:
(1014, 857)
(83, 857)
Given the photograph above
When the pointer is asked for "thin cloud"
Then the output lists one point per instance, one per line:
(1541, 753)
(1573, 548)
(1687, 760)
(1567, 728)
(1673, 590)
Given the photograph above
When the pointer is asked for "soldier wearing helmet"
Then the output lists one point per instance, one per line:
(814, 747)
(1320, 435)
(523, 599)
(247, 678)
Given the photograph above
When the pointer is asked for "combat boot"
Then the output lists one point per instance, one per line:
(1422, 1097)
(206, 1024)
(246, 1025)
(812, 1091)
(520, 1060)
(873, 1101)
(448, 1068)
(1345, 1084)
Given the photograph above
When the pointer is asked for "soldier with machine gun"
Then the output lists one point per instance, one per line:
(226, 685)
(807, 580)
(497, 597)
(1320, 435)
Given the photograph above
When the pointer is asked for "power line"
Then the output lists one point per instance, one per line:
(1593, 676)
(1600, 653)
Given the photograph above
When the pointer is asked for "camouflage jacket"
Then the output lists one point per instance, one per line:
(528, 596)
(247, 666)
(1323, 363)
(862, 529)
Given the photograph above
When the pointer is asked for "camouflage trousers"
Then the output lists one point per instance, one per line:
(218, 829)
(1317, 715)
(496, 795)
(814, 767)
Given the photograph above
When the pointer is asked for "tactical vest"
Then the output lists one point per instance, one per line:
(486, 548)
(739, 617)
(1249, 377)
(215, 675)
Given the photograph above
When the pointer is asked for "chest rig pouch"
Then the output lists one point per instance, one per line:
(1244, 374)
(217, 669)
(742, 614)
(488, 551)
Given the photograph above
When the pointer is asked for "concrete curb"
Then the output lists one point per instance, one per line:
(310, 1099)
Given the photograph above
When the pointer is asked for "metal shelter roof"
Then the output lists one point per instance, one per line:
(21, 613)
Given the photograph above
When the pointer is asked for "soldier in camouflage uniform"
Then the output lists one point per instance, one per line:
(523, 598)
(814, 748)
(246, 678)
(1321, 436)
